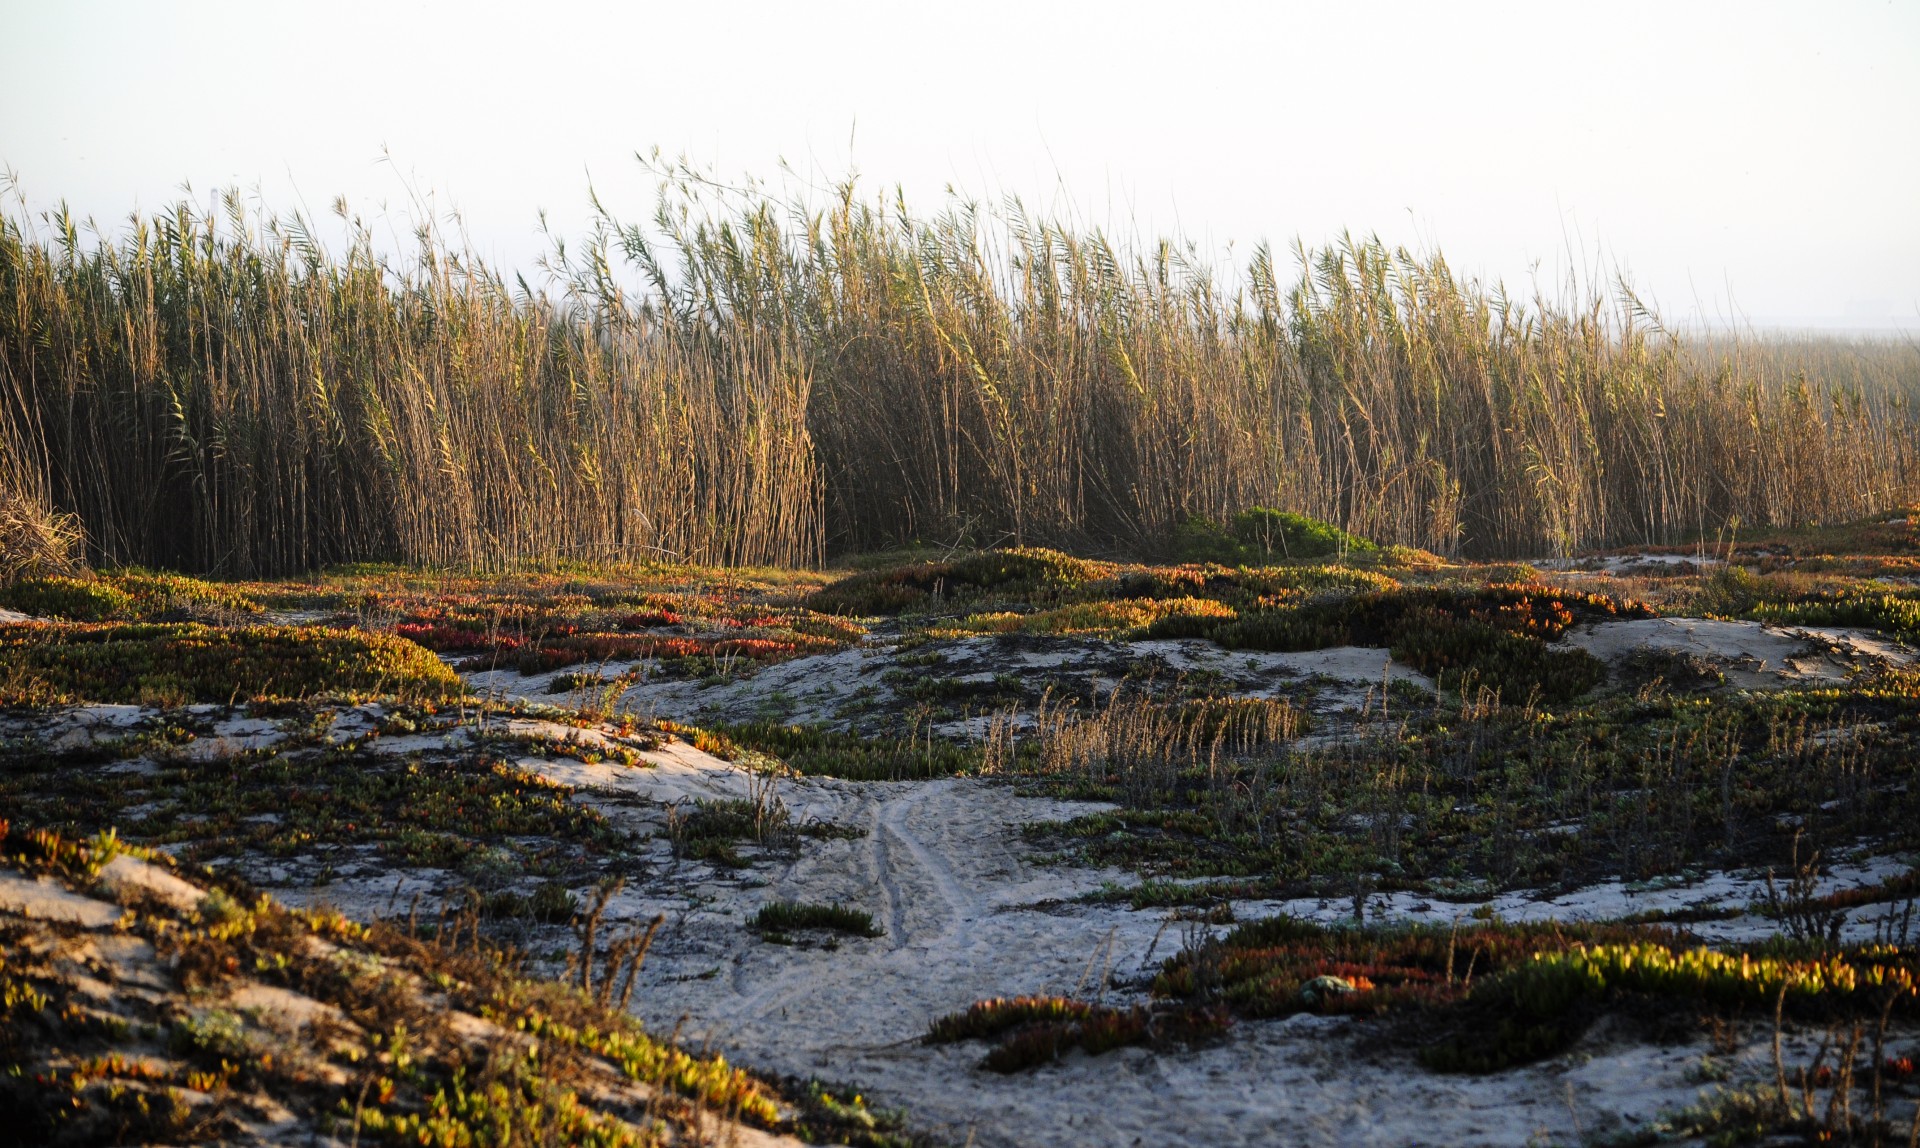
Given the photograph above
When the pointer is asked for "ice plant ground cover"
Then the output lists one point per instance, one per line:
(1357, 846)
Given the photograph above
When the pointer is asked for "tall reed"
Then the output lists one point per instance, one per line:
(751, 381)
(224, 394)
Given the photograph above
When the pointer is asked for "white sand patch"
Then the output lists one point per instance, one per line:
(126, 876)
(586, 737)
(78, 727)
(230, 738)
(677, 775)
(676, 771)
(1297, 1081)
(390, 892)
(355, 723)
(826, 689)
(1753, 655)
(282, 1009)
(1666, 565)
(400, 745)
(9, 617)
(44, 899)
(1358, 665)
(809, 690)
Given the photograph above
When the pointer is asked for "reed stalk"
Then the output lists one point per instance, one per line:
(751, 381)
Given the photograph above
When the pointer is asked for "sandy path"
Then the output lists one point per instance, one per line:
(968, 915)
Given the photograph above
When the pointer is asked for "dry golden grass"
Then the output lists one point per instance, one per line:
(214, 390)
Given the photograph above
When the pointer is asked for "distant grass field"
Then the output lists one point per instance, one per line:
(751, 382)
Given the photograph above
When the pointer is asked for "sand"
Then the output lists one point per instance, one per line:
(1753, 655)
(970, 911)
(970, 914)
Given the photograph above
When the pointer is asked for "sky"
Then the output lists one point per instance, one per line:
(1752, 163)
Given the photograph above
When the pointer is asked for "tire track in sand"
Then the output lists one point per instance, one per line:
(892, 820)
(913, 881)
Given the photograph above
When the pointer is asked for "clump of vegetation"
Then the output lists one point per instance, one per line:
(35, 541)
(1021, 573)
(1894, 614)
(1263, 536)
(1490, 996)
(1670, 670)
(830, 1114)
(1126, 617)
(127, 595)
(1539, 1007)
(818, 752)
(713, 827)
(1495, 634)
(795, 916)
(173, 664)
(984, 1020)
(163, 596)
(1245, 587)
(1266, 968)
(1030, 1031)
(687, 620)
(71, 599)
(550, 902)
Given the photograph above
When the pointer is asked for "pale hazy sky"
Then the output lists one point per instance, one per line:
(1758, 160)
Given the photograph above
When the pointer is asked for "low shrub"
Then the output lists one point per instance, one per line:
(1021, 572)
(1260, 968)
(793, 916)
(1034, 1030)
(34, 540)
(1895, 614)
(820, 752)
(1541, 1006)
(1509, 994)
(713, 827)
(986, 1019)
(67, 599)
(177, 663)
(156, 594)
(1497, 634)
(1260, 535)
(1154, 617)
(550, 902)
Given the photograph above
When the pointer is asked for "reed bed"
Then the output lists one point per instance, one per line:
(746, 380)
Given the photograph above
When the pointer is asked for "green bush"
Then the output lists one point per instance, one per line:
(177, 663)
(1020, 572)
(1497, 635)
(1541, 1006)
(791, 916)
(1025, 568)
(69, 599)
(1895, 614)
(1260, 535)
(819, 752)
(154, 593)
